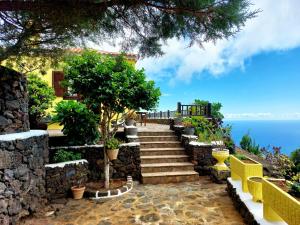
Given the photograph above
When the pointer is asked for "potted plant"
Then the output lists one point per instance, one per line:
(177, 119)
(130, 118)
(78, 189)
(188, 126)
(111, 147)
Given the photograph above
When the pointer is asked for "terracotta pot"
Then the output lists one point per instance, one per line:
(77, 192)
(112, 154)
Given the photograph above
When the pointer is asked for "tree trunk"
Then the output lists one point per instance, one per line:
(106, 170)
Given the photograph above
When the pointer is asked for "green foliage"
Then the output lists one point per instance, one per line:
(109, 86)
(112, 143)
(295, 157)
(63, 156)
(112, 82)
(240, 156)
(45, 28)
(207, 132)
(80, 124)
(249, 145)
(40, 96)
(283, 165)
(215, 108)
(295, 189)
(187, 122)
(202, 124)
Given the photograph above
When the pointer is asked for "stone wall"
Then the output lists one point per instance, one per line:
(201, 155)
(127, 164)
(13, 102)
(22, 174)
(60, 177)
(159, 121)
(240, 205)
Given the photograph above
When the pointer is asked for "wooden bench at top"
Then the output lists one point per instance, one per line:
(142, 117)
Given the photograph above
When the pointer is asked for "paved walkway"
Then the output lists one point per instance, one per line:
(153, 127)
(196, 203)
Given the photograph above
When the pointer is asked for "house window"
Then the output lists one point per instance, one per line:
(60, 91)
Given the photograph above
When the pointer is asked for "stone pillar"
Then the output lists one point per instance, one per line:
(22, 174)
(201, 155)
(13, 102)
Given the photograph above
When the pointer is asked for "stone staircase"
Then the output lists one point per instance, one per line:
(164, 159)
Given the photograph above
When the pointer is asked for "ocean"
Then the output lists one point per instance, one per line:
(283, 133)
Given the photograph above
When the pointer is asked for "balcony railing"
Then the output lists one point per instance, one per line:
(183, 110)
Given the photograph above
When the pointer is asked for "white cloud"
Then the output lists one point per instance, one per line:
(262, 116)
(244, 116)
(276, 28)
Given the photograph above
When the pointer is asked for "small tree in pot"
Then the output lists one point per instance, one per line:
(79, 187)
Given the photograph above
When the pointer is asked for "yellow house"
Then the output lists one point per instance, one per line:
(54, 77)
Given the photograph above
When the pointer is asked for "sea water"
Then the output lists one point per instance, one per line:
(279, 133)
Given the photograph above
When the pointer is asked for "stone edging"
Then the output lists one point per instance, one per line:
(111, 193)
(252, 212)
(62, 164)
(92, 146)
(22, 135)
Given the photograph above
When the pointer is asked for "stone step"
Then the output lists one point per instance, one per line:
(169, 177)
(160, 144)
(157, 138)
(162, 151)
(156, 133)
(163, 159)
(167, 167)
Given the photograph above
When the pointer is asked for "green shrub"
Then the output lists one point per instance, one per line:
(80, 124)
(295, 157)
(40, 96)
(240, 156)
(187, 122)
(295, 189)
(64, 156)
(249, 145)
(112, 143)
(283, 165)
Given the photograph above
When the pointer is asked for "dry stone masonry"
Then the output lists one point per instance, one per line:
(13, 102)
(60, 177)
(22, 174)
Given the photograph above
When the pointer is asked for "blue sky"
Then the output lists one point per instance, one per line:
(268, 87)
(255, 75)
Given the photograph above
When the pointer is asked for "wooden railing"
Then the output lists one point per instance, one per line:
(183, 110)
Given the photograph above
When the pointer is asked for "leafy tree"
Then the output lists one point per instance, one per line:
(295, 157)
(80, 123)
(215, 108)
(109, 86)
(249, 145)
(41, 96)
(46, 28)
